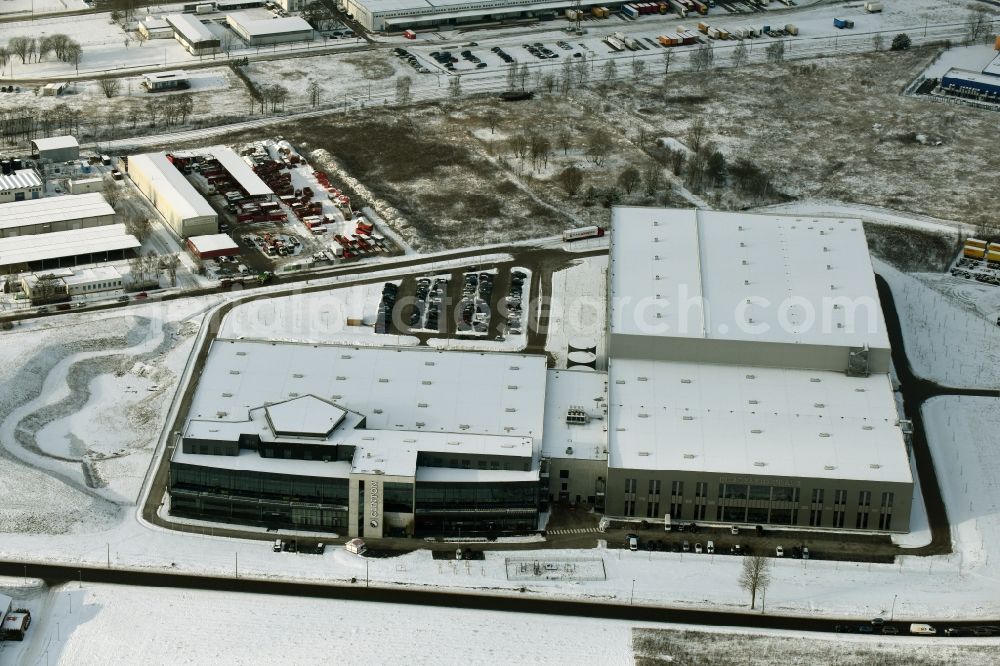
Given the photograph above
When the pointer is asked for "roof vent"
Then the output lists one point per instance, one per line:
(298, 376)
(345, 356)
(687, 418)
(569, 450)
(867, 427)
(824, 434)
(685, 381)
(241, 353)
(426, 382)
(688, 456)
(227, 395)
(341, 378)
(875, 466)
(644, 453)
(751, 376)
(421, 404)
(815, 379)
(756, 431)
(829, 467)
(759, 463)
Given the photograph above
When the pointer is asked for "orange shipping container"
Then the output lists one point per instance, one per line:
(993, 257)
(976, 242)
(974, 252)
(997, 45)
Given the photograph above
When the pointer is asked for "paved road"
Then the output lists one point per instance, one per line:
(528, 603)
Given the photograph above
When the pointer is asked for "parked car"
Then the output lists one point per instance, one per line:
(805, 553)
(632, 541)
(877, 622)
(779, 551)
(734, 530)
(921, 629)
(277, 546)
(865, 629)
(697, 548)
(710, 548)
(686, 547)
(889, 630)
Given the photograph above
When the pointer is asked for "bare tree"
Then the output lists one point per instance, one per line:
(18, 46)
(668, 55)
(522, 74)
(548, 82)
(582, 71)
(152, 107)
(703, 58)
(740, 55)
(878, 42)
(567, 78)
(570, 179)
(313, 91)
(978, 26)
(512, 75)
(638, 69)
(755, 576)
(112, 194)
(74, 53)
(492, 116)
(455, 87)
(697, 133)
(170, 263)
(518, 146)
(110, 87)
(403, 84)
(598, 147)
(610, 70)
(227, 42)
(629, 179)
(652, 179)
(775, 51)
(564, 138)
(540, 148)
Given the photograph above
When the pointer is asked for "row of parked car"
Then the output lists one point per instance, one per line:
(515, 316)
(411, 59)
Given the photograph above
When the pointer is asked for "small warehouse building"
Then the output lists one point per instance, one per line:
(86, 185)
(161, 81)
(63, 213)
(56, 149)
(155, 27)
(66, 248)
(20, 185)
(975, 84)
(258, 32)
(193, 35)
(186, 211)
(397, 15)
(69, 282)
(212, 246)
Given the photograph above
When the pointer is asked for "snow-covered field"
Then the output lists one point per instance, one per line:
(39, 6)
(948, 338)
(577, 308)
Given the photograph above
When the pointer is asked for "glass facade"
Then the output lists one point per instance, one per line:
(489, 508)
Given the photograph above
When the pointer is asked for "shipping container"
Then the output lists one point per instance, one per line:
(409, 34)
(997, 44)
(583, 232)
(993, 247)
(703, 28)
(792, 29)
(973, 252)
(713, 33)
(872, 7)
(976, 242)
(840, 24)
(678, 7)
(700, 7)
(628, 11)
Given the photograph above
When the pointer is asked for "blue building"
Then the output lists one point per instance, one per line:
(964, 82)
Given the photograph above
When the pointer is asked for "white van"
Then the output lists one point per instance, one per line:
(922, 629)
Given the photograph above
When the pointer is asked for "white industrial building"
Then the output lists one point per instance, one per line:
(397, 15)
(748, 374)
(185, 210)
(56, 148)
(258, 32)
(79, 282)
(20, 185)
(155, 27)
(161, 81)
(62, 213)
(66, 248)
(86, 185)
(193, 35)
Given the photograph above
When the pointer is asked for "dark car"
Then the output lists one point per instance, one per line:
(842, 629)
(889, 630)
(865, 629)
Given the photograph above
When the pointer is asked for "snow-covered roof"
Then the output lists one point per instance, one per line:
(55, 143)
(993, 69)
(241, 171)
(190, 28)
(172, 184)
(566, 389)
(177, 74)
(749, 420)
(38, 247)
(734, 276)
(91, 275)
(305, 415)
(251, 461)
(456, 7)
(48, 210)
(256, 27)
(20, 179)
(213, 243)
(396, 389)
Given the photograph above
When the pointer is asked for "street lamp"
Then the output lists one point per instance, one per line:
(632, 597)
(892, 611)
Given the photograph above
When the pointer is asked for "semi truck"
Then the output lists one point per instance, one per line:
(583, 232)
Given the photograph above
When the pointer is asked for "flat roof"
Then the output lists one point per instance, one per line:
(455, 6)
(754, 421)
(190, 28)
(574, 388)
(306, 414)
(21, 178)
(240, 170)
(396, 389)
(968, 75)
(256, 27)
(55, 142)
(48, 210)
(993, 68)
(213, 243)
(38, 247)
(251, 461)
(95, 274)
(172, 184)
(733, 276)
(166, 76)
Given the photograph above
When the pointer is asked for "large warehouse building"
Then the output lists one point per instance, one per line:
(193, 35)
(397, 15)
(66, 248)
(64, 213)
(56, 149)
(259, 32)
(748, 374)
(367, 442)
(186, 211)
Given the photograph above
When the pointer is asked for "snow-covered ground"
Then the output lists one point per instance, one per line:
(948, 339)
(338, 316)
(37, 7)
(973, 58)
(577, 308)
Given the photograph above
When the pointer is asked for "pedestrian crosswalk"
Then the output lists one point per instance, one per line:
(580, 530)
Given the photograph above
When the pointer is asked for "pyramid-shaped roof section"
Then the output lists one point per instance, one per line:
(304, 416)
